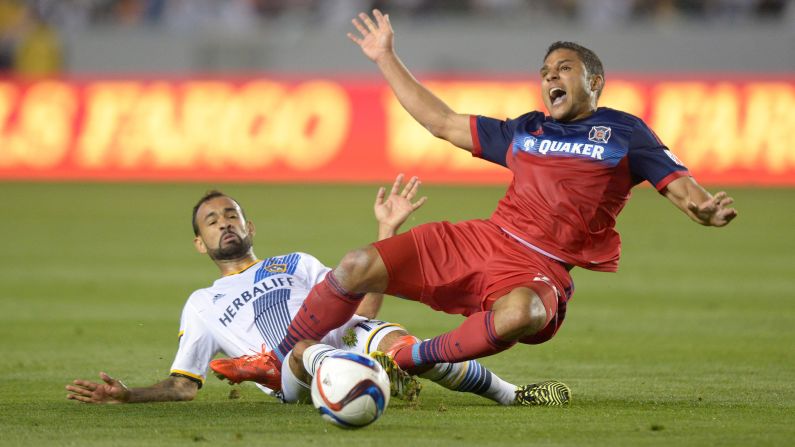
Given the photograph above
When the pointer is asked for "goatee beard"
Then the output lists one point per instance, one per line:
(234, 250)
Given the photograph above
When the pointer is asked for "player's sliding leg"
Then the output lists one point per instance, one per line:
(472, 377)
(468, 377)
(520, 313)
(475, 338)
(333, 301)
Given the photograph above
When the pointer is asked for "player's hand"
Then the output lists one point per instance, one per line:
(110, 392)
(392, 210)
(715, 211)
(375, 38)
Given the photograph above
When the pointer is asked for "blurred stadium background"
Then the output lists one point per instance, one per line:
(481, 36)
(115, 115)
(265, 90)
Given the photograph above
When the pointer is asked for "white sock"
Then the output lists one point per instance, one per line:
(472, 377)
(315, 354)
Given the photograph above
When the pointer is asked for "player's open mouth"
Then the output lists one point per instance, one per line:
(557, 95)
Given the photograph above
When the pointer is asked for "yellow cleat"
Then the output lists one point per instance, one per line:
(549, 393)
(401, 384)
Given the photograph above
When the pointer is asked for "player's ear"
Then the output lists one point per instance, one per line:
(198, 243)
(597, 82)
(251, 228)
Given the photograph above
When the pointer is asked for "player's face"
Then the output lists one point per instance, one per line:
(224, 233)
(567, 89)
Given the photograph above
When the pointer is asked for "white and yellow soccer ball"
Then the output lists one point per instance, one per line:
(350, 390)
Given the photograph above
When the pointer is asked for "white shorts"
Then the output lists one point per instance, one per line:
(358, 335)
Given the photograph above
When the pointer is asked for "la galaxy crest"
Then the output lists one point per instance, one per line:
(276, 268)
(599, 134)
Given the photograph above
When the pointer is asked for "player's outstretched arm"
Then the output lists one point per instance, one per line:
(391, 211)
(376, 40)
(700, 205)
(113, 391)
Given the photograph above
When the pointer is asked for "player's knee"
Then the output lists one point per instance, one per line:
(530, 317)
(522, 314)
(355, 263)
(538, 316)
(361, 270)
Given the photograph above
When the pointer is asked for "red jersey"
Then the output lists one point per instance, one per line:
(571, 179)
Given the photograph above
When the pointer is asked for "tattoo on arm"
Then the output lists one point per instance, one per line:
(172, 389)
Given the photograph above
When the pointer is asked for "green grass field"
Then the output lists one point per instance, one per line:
(692, 343)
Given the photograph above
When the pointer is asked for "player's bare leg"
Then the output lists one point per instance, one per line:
(363, 270)
(519, 314)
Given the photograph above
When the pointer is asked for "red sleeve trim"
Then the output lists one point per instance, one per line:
(477, 151)
(669, 178)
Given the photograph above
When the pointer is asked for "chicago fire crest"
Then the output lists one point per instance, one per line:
(599, 134)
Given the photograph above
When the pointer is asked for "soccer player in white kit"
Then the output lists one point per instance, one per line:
(249, 308)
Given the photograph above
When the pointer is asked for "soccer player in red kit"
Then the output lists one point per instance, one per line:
(509, 274)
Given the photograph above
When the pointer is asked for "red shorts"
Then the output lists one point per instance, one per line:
(465, 267)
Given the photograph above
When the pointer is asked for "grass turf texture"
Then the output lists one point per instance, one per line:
(690, 344)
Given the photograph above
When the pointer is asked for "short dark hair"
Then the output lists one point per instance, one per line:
(209, 195)
(591, 61)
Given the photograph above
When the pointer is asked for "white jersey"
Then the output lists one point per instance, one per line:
(241, 312)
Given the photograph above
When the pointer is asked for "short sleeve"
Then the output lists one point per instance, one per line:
(197, 346)
(650, 160)
(315, 271)
(492, 137)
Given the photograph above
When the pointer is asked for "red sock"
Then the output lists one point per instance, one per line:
(475, 338)
(326, 307)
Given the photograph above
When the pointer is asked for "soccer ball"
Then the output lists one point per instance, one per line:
(350, 390)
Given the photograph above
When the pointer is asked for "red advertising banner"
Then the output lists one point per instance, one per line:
(728, 131)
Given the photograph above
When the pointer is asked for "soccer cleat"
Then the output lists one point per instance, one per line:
(401, 384)
(549, 393)
(261, 367)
